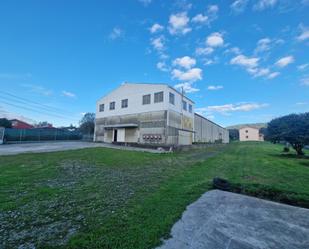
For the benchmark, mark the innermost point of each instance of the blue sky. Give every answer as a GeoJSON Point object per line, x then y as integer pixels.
{"type": "Point", "coordinates": [241, 61]}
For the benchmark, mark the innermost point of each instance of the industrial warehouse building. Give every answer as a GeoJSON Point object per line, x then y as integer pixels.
{"type": "Point", "coordinates": [155, 114]}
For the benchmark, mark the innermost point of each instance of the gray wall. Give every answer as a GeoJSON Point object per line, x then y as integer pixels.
{"type": "Point", "coordinates": [207, 131]}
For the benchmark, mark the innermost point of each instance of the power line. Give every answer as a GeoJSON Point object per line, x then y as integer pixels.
{"type": "Point", "coordinates": [33, 107]}
{"type": "Point", "coordinates": [27, 101]}
{"type": "Point", "coordinates": [30, 109]}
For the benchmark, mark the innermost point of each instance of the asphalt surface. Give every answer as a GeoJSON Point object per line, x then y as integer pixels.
{"type": "Point", "coordinates": [223, 220]}
{"type": "Point", "coordinates": [14, 149]}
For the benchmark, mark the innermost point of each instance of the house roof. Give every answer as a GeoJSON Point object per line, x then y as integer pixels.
{"type": "Point", "coordinates": [141, 83]}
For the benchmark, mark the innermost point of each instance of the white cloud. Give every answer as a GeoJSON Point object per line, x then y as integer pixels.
{"type": "Point", "coordinates": [264, 4]}
{"type": "Point", "coordinates": [283, 62]}
{"type": "Point", "coordinates": [145, 2]}
{"type": "Point", "coordinates": [239, 5]}
{"type": "Point", "coordinates": [258, 72]}
{"type": "Point", "coordinates": [185, 62]}
{"type": "Point", "coordinates": [162, 66]}
{"type": "Point", "coordinates": [208, 61]}
{"type": "Point", "coordinates": [214, 88]}
{"type": "Point", "coordinates": [245, 61]}
{"type": "Point", "coordinates": [214, 40]}
{"type": "Point", "coordinates": [200, 18]}
{"type": "Point", "coordinates": [68, 94]}
{"type": "Point", "coordinates": [179, 23]}
{"type": "Point", "coordinates": [187, 87]}
{"type": "Point", "coordinates": [158, 43]}
{"type": "Point", "coordinates": [304, 34]}
{"type": "Point", "coordinates": [263, 45]}
{"type": "Point", "coordinates": [242, 107]}
{"type": "Point", "coordinates": [301, 103]}
{"type": "Point", "coordinates": [273, 75]}
{"type": "Point", "coordinates": [213, 9]}
{"type": "Point", "coordinates": [234, 50]}
{"type": "Point", "coordinates": [304, 81]}
{"type": "Point", "coordinates": [204, 51]}
{"type": "Point", "coordinates": [38, 89]}
{"type": "Point", "coordinates": [303, 67]}
{"type": "Point", "coordinates": [156, 28]}
{"type": "Point", "coordinates": [116, 33]}
{"type": "Point", "coordinates": [190, 75]}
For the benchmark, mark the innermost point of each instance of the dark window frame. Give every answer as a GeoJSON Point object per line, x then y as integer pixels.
{"type": "Point", "coordinates": [101, 108]}
{"type": "Point", "coordinates": [190, 108]}
{"type": "Point", "coordinates": [144, 98]}
{"type": "Point", "coordinates": [184, 105]}
{"type": "Point", "coordinates": [124, 103]}
{"type": "Point", "coordinates": [171, 98]}
{"type": "Point", "coordinates": [158, 98]}
{"type": "Point", "coordinates": [112, 105]}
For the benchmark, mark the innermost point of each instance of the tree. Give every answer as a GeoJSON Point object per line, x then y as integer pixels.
{"type": "Point", "coordinates": [86, 125]}
{"type": "Point", "coordinates": [44, 124]}
{"type": "Point", "coordinates": [293, 128]}
{"type": "Point", "coordinates": [5, 123]}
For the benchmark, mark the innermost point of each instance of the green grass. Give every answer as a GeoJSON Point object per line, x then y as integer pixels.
{"type": "Point", "coordinates": [104, 198]}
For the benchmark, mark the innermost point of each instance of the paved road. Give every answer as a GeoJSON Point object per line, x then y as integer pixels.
{"type": "Point", "coordinates": [14, 149]}
{"type": "Point", "coordinates": [231, 221]}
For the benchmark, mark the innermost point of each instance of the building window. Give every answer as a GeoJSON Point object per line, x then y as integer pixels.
{"type": "Point", "coordinates": [158, 97]}
{"type": "Point", "coordinates": [112, 105]}
{"type": "Point", "coordinates": [184, 105]}
{"type": "Point", "coordinates": [246, 131]}
{"type": "Point", "coordinates": [247, 136]}
{"type": "Point", "coordinates": [124, 103]}
{"type": "Point", "coordinates": [190, 108]}
{"type": "Point", "coordinates": [146, 99]}
{"type": "Point", "coordinates": [172, 98]}
{"type": "Point", "coordinates": [101, 107]}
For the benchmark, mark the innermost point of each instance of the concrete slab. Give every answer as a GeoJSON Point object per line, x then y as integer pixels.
{"type": "Point", "coordinates": [14, 149]}
{"type": "Point", "coordinates": [226, 220]}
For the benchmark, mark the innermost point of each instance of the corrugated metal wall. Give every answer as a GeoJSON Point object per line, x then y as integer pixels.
{"type": "Point", "coordinates": [207, 131]}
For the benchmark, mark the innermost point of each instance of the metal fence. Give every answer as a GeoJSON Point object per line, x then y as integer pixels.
{"type": "Point", "coordinates": [15, 135]}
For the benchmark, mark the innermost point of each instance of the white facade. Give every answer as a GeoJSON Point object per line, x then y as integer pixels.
{"type": "Point", "coordinates": [250, 134]}
{"type": "Point", "coordinates": [121, 116]}
{"type": "Point", "coordinates": [134, 93]}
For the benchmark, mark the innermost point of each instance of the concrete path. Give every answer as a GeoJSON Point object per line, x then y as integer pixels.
{"type": "Point", "coordinates": [14, 149]}
{"type": "Point", "coordinates": [231, 221]}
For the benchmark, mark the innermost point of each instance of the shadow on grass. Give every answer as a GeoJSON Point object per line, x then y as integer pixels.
{"type": "Point", "coordinates": [272, 194]}
{"type": "Point", "coordinates": [289, 155]}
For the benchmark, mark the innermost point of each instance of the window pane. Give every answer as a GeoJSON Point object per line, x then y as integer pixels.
{"type": "Point", "coordinates": [112, 105]}
{"type": "Point", "coordinates": [124, 103]}
{"type": "Point", "coordinates": [146, 99]}
{"type": "Point", "coordinates": [184, 105]}
{"type": "Point", "coordinates": [172, 98]}
{"type": "Point", "coordinates": [158, 97]}
{"type": "Point", "coordinates": [190, 108]}
{"type": "Point", "coordinates": [101, 108]}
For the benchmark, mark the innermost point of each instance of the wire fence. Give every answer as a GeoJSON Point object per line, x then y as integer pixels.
{"type": "Point", "coordinates": [20, 135]}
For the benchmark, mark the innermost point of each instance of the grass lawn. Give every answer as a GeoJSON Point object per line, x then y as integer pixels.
{"type": "Point", "coordinates": [105, 198]}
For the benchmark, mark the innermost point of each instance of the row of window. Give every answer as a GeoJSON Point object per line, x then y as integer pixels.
{"type": "Point", "coordinates": [158, 97]}
{"type": "Point", "coordinates": [124, 104]}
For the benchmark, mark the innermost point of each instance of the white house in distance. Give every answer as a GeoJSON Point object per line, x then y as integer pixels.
{"type": "Point", "coordinates": [144, 113]}
{"type": "Point", "coordinates": [248, 133]}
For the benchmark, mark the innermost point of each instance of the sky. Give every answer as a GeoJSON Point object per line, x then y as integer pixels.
{"type": "Point", "coordinates": [240, 61]}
